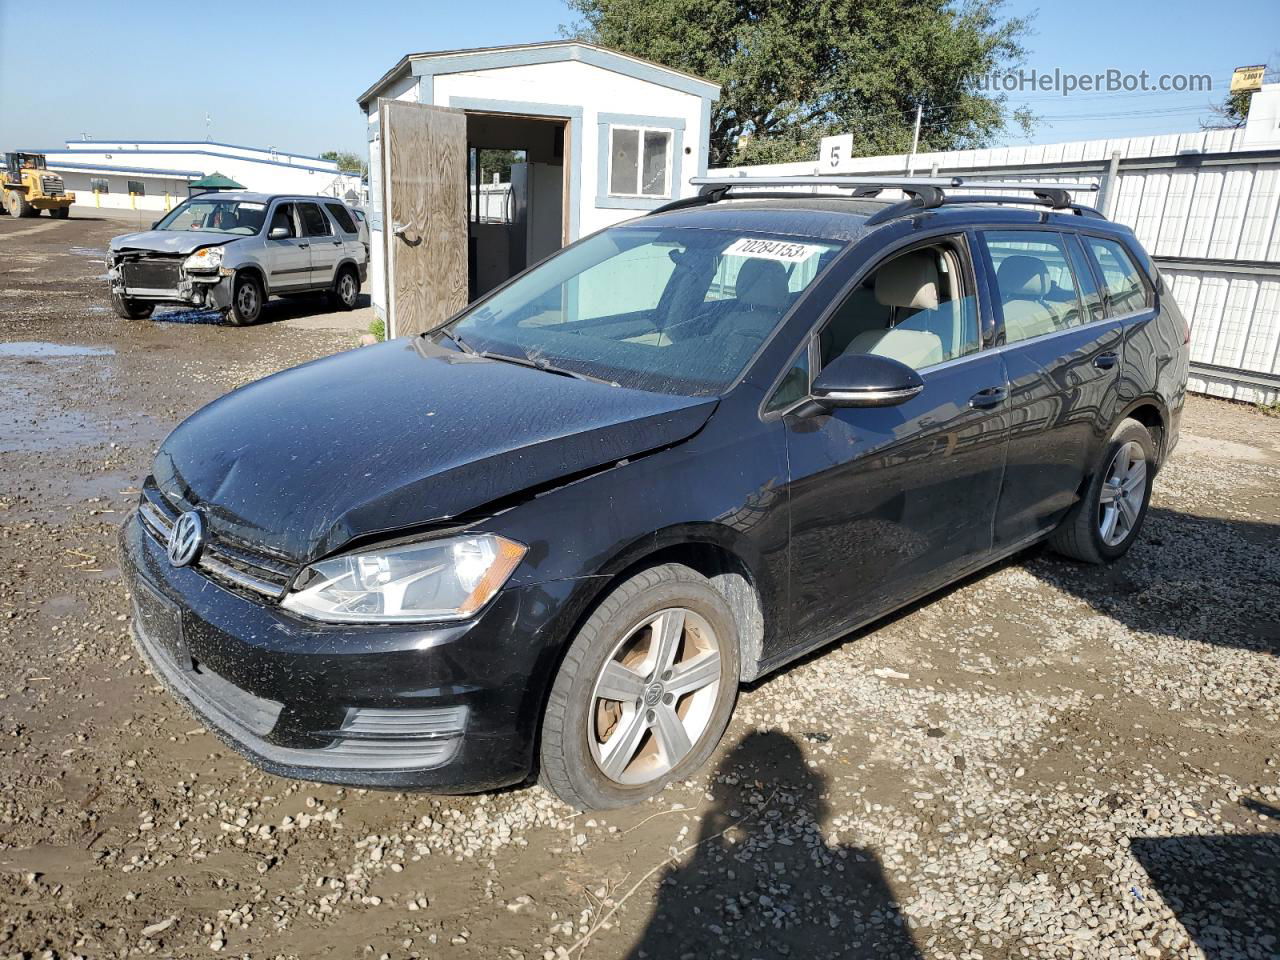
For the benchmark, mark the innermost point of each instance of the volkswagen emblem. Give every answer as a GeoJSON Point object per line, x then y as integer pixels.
{"type": "Point", "coordinates": [186, 538]}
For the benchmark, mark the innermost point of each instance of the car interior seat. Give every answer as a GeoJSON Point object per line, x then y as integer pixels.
{"type": "Point", "coordinates": [1024, 283]}
{"type": "Point", "coordinates": [909, 286]}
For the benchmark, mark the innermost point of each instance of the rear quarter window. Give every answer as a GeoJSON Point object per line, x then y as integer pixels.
{"type": "Point", "coordinates": [343, 216]}
{"type": "Point", "coordinates": [1123, 284]}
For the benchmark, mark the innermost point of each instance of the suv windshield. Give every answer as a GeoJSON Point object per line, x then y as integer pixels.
{"type": "Point", "coordinates": [666, 310]}
{"type": "Point", "coordinates": [212, 215]}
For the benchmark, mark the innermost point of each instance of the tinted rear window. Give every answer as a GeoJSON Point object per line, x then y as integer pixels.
{"type": "Point", "coordinates": [314, 220]}
{"type": "Point", "coordinates": [343, 216]}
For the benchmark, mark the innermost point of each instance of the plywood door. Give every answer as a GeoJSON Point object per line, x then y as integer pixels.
{"type": "Point", "coordinates": [424, 177]}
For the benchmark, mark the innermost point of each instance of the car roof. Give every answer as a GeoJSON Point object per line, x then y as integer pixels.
{"type": "Point", "coordinates": [250, 196]}
{"type": "Point", "coordinates": [845, 220]}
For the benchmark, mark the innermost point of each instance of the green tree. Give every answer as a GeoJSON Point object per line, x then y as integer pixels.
{"type": "Point", "coordinates": [499, 162]}
{"type": "Point", "coordinates": [792, 71]}
{"type": "Point", "coordinates": [346, 161]}
{"type": "Point", "coordinates": [1233, 110]}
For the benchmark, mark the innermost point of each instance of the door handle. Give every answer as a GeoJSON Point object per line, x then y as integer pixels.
{"type": "Point", "coordinates": [1105, 361]}
{"type": "Point", "coordinates": [303, 246]}
{"type": "Point", "coordinates": [336, 243]}
{"type": "Point", "coordinates": [406, 233]}
{"type": "Point", "coordinates": [988, 398]}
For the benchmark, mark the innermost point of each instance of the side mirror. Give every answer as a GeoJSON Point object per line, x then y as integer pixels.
{"type": "Point", "coordinates": [865, 380]}
{"type": "Point", "coordinates": [279, 233]}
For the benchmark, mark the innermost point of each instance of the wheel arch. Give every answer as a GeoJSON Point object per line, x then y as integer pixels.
{"type": "Point", "coordinates": [722, 555]}
{"type": "Point", "coordinates": [255, 270]}
{"type": "Point", "coordinates": [1153, 414]}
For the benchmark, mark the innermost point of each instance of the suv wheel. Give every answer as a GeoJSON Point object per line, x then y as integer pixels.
{"type": "Point", "coordinates": [1103, 525]}
{"type": "Point", "coordinates": [346, 290]}
{"type": "Point", "coordinates": [246, 301]}
{"type": "Point", "coordinates": [645, 691]}
{"type": "Point", "coordinates": [131, 309]}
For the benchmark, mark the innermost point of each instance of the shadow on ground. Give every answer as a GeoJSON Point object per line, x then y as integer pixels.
{"type": "Point", "coordinates": [274, 311]}
{"type": "Point", "coordinates": [1224, 890]}
{"type": "Point", "coordinates": [764, 881]}
{"type": "Point", "coordinates": [1203, 579]}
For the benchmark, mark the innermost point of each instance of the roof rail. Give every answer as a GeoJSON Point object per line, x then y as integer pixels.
{"type": "Point", "coordinates": [923, 193]}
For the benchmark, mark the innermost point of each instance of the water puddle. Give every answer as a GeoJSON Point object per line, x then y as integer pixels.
{"type": "Point", "coordinates": [32, 348]}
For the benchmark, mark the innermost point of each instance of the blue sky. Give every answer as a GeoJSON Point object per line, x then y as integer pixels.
{"type": "Point", "coordinates": [287, 74]}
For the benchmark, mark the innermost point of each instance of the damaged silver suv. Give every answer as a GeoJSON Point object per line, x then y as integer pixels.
{"type": "Point", "coordinates": [230, 252]}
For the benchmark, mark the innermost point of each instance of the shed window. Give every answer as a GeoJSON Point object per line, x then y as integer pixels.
{"type": "Point", "coordinates": [135, 187]}
{"type": "Point", "coordinates": [639, 162]}
{"type": "Point", "coordinates": [98, 184]}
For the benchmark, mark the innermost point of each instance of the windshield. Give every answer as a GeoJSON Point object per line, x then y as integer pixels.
{"type": "Point", "coordinates": [212, 215]}
{"type": "Point", "coordinates": [665, 310]}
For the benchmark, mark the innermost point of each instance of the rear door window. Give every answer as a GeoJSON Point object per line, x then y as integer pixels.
{"type": "Point", "coordinates": [314, 222]}
{"type": "Point", "coordinates": [1036, 287]}
{"type": "Point", "coordinates": [1124, 289]}
{"type": "Point", "coordinates": [342, 215]}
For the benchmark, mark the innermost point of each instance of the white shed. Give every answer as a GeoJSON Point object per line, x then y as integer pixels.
{"type": "Point", "coordinates": [604, 136]}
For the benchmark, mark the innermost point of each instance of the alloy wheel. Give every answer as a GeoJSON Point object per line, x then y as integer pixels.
{"type": "Point", "coordinates": [654, 696]}
{"type": "Point", "coordinates": [1123, 491]}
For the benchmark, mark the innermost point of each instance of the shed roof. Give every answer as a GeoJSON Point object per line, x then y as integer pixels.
{"type": "Point", "coordinates": [218, 181]}
{"type": "Point", "coordinates": [552, 51]}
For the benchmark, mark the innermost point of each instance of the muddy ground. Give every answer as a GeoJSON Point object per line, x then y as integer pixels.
{"type": "Point", "coordinates": [1047, 760]}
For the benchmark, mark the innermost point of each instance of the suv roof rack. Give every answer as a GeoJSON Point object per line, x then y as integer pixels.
{"type": "Point", "coordinates": [923, 193]}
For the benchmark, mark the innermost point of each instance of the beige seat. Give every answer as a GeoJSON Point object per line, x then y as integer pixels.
{"type": "Point", "coordinates": [1024, 282]}
{"type": "Point", "coordinates": [761, 297]}
{"type": "Point", "coordinates": [909, 284]}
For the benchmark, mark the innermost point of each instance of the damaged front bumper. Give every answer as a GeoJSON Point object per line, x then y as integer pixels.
{"type": "Point", "coordinates": [161, 278]}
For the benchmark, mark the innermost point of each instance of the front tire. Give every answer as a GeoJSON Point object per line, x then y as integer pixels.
{"type": "Point", "coordinates": [246, 301]}
{"type": "Point", "coordinates": [1106, 521]}
{"type": "Point", "coordinates": [128, 309]}
{"type": "Point", "coordinates": [644, 693]}
{"type": "Point", "coordinates": [60, 213]}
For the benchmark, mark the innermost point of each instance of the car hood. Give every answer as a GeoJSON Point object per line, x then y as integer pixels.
{"type": "Point", "coordinates": [170, 241]}
{"type": "Point", "coordinates": [394, 436]}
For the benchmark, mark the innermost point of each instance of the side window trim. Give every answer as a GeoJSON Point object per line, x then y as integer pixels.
{"type": "Point", "coordinates": [1086, 272]}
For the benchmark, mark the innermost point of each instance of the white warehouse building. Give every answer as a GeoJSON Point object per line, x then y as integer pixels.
{"type": "Point", "coordinates": [157, 174]}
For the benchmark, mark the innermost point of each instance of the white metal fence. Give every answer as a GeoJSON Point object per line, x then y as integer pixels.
{"type": "Point", "coordinates": [1203, 207]}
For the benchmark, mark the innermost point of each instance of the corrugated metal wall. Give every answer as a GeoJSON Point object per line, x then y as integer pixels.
{"type": "Point", "coordinates": [1205, 209]}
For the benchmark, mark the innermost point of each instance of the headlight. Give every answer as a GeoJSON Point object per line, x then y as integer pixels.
{"type": "Point", "coordinates": [206, 259]}
{"type": "Point", "coordinates": [438, 580]}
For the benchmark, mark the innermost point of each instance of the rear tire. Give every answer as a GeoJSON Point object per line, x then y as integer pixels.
{"type": "Point", "coordinates": [1106, 521]}
{"type": "Point", "coordinates": [346, 289]}
{"type": "Point", "coordinates": [246, 301]}
{"type": "Point", "coordinates": [131, 309]}
{"type": "Point", "coordinates": [690, 644]}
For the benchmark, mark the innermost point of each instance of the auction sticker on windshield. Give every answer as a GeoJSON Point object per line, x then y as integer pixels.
{"type": "Point", "coordinates": [784, 251]}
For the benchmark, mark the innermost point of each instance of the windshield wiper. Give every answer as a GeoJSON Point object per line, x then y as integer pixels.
{"type": "Point", "coordinates": [546, 367]}
{"type": "Point", "coordinates": [466, 347]}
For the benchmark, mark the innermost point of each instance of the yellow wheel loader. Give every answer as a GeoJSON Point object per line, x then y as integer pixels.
{"type": "Point", "coordinates": [27, 187]}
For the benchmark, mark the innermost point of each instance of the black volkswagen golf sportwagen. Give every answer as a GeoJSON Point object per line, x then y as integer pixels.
{"type": "Point", "coordinates": [553, 536]}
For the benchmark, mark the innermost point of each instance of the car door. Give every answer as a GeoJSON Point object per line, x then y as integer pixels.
{"type": "Point", "coordinates": [888, 503]}
{"type": "Point", "coordinates": [288, 258]}
{"type": "Point", "coordinates": [326, 246]}
{"type": "Point", "coordinates": [1063, 358]}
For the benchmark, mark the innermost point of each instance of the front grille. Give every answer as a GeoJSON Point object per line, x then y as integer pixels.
{"type": "Point", "coordinates": [153, 273]}
{"type": "Point", "coordinates": [231, 563]}
{"type": "Point", "coordinates": [52, 185]}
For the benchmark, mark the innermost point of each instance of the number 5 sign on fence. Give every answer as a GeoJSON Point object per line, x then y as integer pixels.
{"type": "Point", "coordinates": [834, 151]}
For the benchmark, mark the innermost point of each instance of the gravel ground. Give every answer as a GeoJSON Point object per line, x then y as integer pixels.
{"type": "Point", "coordinates": [1046, 760]}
